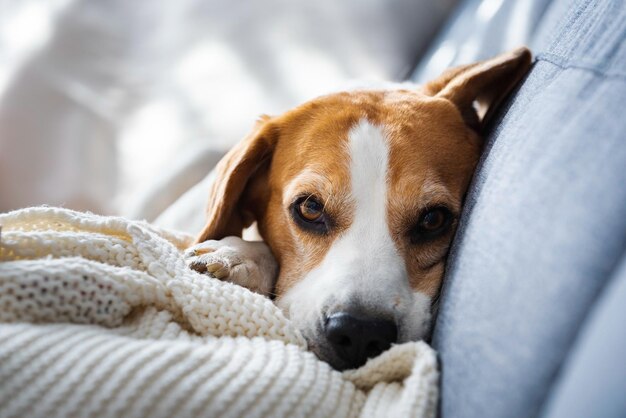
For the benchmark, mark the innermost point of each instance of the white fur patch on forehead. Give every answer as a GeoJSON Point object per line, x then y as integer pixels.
{"type": "Point", "coordinates": [366, 249]}
{"type": "Point", "coordinates": [369, 158]}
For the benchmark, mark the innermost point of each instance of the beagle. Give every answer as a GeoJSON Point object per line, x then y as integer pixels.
{"type": "Point", "coordinates": [357, 196]}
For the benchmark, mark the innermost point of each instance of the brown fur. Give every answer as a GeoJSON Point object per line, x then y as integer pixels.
{"type": "Point", "coordinates": [434, 147]}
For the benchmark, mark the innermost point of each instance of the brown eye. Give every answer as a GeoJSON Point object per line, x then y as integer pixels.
{"type": "Point", "coordinates": [433, 220]}
{"type": "Point", "coordinates": [308, 213]}
{"type": "Point", "coordinates": [432, 223]}
{"type": "Point", "coordinates": [310, 210]}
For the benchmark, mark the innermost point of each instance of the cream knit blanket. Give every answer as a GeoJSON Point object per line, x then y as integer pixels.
{"type": "Point", "coordinates": [100, 317]}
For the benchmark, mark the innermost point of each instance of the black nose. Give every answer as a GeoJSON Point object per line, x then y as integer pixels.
{"type": "Point", "coordinates": [355, 339]}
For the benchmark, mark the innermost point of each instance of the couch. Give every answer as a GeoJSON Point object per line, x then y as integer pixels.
{"type": "Point", "coordinates": [531, 315]}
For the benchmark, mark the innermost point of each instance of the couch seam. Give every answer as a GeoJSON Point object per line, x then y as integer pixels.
{"type": "Point", "coordinates": [564, 63]}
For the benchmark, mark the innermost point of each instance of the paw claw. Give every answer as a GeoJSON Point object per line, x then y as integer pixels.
{"type": "Point", "coordinates": [194, 252]}
{"type": "Point", "coordinates": [221, 273]}
{"type": "Point", "coordinates": [215, 266]}
{"type": "Point", "coordinates": [198, 266]}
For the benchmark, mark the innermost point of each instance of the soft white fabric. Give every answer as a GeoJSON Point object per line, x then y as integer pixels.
{"type": "Point", "coordinates": [99, 316]}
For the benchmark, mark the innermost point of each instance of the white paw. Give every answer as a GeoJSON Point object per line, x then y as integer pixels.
{"type": "Point", "coordinates": [248, 264]}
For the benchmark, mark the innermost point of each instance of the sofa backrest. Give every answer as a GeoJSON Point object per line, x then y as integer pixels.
{"type": "Point", "coordinates": [544, 228]}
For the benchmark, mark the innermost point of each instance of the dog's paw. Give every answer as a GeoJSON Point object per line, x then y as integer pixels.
{"type": "Point", "coordinates": [248, 264]}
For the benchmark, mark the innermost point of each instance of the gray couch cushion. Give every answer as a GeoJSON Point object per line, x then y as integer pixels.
{"type": "Point", "coordinates": [593, 379]}
{"type": "Point", "coordinates": [545, 221]}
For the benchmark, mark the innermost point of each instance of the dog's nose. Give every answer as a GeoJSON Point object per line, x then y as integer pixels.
{"type": "Point", "coordinates": [355, 339]}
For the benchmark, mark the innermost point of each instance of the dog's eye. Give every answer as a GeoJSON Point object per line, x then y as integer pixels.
{"type": "Point", "coordinates": [433, 219]}
{"type": "Point", "coordinates": [432, 223]}
{"type": "Point", "coordinates": [308, 212]}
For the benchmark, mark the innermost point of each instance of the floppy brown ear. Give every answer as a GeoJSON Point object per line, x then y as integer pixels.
{"type": "Point", "coordinates": [477, 89]}
{"type": "Point", "coordinates": [226, 212]}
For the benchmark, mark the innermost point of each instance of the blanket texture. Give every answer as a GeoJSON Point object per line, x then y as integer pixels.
{"type": "Point", "coordinates": [100, 317]}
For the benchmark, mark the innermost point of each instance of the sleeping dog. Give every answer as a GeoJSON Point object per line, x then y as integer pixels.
{"type": "Point", "coordinates": [357, 196]}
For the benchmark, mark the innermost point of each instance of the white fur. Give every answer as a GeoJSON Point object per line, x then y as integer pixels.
{"type": "Point", "coordinates": [363, 266]}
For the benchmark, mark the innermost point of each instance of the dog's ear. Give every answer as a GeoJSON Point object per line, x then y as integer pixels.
{"type": "Point", "coordinates": [227, 212]}
{"type": "Point", "coordinates": [477, 89]}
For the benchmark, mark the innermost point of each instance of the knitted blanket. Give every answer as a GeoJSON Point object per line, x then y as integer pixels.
{"type": "Point", "coordinates": [100, 317]}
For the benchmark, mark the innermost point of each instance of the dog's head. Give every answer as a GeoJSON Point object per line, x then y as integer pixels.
{"type": "Point", "coordinates": [358, 195]}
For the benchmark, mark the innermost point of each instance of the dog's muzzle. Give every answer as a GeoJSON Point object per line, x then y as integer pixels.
{"type": "Point", "coordinates": [354, 338]}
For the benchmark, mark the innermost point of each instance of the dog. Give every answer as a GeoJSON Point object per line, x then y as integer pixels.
{"type": "Point", "coordinates": [356, 196]}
